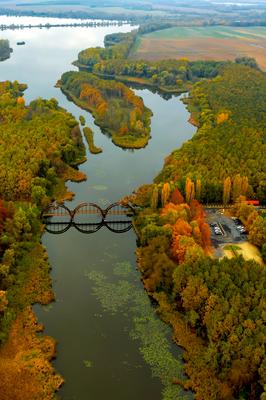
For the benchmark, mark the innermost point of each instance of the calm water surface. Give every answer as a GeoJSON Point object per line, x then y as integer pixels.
{"type": "Point", "coordinates": [99, 354]}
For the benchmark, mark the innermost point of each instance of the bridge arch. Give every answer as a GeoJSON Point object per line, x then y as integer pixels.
{"type": "Point", "coordinates": [88, 218]}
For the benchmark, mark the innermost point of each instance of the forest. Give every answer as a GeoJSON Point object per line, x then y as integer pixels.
{"type": "Point", "coordinates": [39, 145]}
{"type": "Point", "coordinates": [115, 107]}
{"type": "Point", "coordinates": [36, 143]}
{"type": "Point", "coordinates": [5, 49]}
{"type": "Point", "coordinates": [226, 157]}
{"type": "Point", "coordinates": [117, 46]}
{"type": "Point", "coordinates": [216, 307]}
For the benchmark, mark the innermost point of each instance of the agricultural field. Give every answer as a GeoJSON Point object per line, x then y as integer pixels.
{"type": "Point", "coordinates": [205, 43]}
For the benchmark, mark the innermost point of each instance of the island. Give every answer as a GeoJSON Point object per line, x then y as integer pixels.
{"type": "Point", "coordinates": [5, 50]}
{"type": "Point", "coordinates": [115, 107]}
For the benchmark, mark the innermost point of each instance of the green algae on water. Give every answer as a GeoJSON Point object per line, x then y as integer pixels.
{"type": "Point", "coordinates": [112, 296]}
{"type": "Point", "coordinates": [154, 337]}
{"type": "Point", "coordinates": [123, 269]}
{"type": "Point", "coordinates": [88, 363]}
{"type": "Point", "coordinates": [100, 187]}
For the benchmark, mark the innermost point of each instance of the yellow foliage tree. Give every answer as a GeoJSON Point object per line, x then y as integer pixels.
{"type": "Point", "coordinates": [165, 193]}
{"type": "Point", "coordinates": [154, 197]}
{"type": "Point", "coordinates": [190, 190]}
{"type": "Point", "coordinates": [227, 190]}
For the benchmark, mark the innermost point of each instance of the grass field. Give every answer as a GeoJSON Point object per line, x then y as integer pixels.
{"type": "Point", "coordinates": [205, 43]}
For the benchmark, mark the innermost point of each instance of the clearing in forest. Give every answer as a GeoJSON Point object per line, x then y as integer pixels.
{"type": "Point", "coordinates": [246, 249]}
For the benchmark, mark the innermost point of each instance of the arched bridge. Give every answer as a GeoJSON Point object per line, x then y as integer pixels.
{"type": "Point", "coordinates": [88, 218]}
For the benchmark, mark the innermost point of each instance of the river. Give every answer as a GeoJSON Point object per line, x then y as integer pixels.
{"type": "Point", "coordinates": [110, 342]}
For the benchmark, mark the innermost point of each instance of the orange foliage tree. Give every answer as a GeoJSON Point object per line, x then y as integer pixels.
{"type": "Point", "coordinates": [176, 197]}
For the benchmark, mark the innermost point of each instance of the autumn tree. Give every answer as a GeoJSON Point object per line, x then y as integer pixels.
{"type": "Point", "coordinates": [237, 187]}
{"type": "Point", "coordinates": [165, 193]}
{"type": "Point", "coordinates": [154, 197]}
{"type": "Point", "coordinates": [190, 190]}
{"type": "Point", "coordinates": [227, 190]}
{"type": "Point", "coordinates": [198, 189]}
{"type": "Point", "coordinates": [222, 117]}
{"type": "Point", "coordinates": [176, 197]}
{"type": "Point", "coordinates": [257, 232]}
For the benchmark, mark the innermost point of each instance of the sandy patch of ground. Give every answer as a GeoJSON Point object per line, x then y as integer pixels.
{"type": "Point", "coordinates": [247, 250]}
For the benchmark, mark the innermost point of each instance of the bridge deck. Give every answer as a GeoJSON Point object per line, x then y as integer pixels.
{"type": "Point", "coordinates": [88, 212]}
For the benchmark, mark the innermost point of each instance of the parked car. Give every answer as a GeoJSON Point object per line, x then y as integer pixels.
{"type": "Point", "coordinates": [217, 230]}
{"type": "Point", "coordinates": [241, 229]}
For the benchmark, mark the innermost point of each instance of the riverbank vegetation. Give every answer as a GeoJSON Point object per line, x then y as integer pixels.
{"type": "Point", "coordinates": [225, 158]}
{"type": "Point", "coordinates": [114, 61]}
{"type": "Point", "coordinates": [38, 142]}
{"type": "Point", "coordinates": [115, 107]}
{"type": "Point", "coordinates": [88, 133]}
{"type": "Point", "coordinates": [117, 46]}
{"type": "Point", "coordinates": [25, 356]}
{"type": "Point", "coordinates": [5, 50]}
{"type": "Point", "coordinates": [39, 145]}
{"type": "Point", "coordinates": [215, 307]}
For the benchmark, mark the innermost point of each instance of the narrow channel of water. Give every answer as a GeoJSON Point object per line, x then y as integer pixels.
{"type": "Point", "coordinates": [102, 319]}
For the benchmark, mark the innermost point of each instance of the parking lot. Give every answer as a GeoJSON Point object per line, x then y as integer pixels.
{"type": "Point", "coordinates": [224, 230]}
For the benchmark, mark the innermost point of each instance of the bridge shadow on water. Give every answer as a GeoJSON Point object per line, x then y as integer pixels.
{"type": "Point", "coordinates": [88, 218]}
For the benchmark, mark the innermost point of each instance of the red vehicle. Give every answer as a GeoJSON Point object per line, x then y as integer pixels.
{"type": "Point", "coordinates": [253, 202]}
